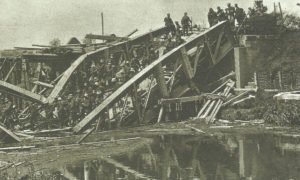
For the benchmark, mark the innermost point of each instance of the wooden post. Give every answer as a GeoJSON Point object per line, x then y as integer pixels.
{"type": "Point", "coordinates": [102, 23]}
{"type": "Point", "coordinates": [160, 79]}
{"type": "Point", "coordinates": [241, 158]}
{"type": "Point", "coordinates": [136, 103]}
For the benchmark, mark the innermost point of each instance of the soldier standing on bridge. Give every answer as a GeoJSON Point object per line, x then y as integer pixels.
{"type": "Point", "coordinates": [170, 27]}
{"type": "Point", "coordinates": [221, 15]}
{"type": "Point", "coordinates": [186, 23]}
{"type": "Point", "coordinates": [212, 17]}
{"type": "Point", "coordinates": [240, 14]}
{"type": "Point", "coordinates": [230, 12]}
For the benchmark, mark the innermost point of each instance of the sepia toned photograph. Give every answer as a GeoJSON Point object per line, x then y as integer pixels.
{"type": "Point", "coordinates": [150, 89]}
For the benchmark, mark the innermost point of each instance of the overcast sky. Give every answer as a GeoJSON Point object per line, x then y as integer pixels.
{"type": "Point", "coordinates": [26, 22]}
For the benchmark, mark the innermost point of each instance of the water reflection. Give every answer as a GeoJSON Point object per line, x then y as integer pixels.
{"type": "Point", "coordinates": [194, 157]}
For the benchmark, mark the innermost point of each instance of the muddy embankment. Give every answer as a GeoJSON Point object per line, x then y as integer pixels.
{"type": "Point", "coordinates": [282, 57]}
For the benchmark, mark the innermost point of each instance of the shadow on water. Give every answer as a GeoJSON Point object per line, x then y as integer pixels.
{"type": "Point", "coordinates": [195, 157]}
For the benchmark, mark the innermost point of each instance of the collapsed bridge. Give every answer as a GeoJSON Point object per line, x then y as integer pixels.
{"type": "Point", "coordinates": [158, 69]}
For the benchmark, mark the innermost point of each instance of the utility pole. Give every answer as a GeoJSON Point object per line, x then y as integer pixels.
{"type": "Point", "coordinates": [102, 23]}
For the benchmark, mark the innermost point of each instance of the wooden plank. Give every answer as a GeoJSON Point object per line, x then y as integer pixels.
{"type": "Point", "coordinates": [131, 33]}
{"type": "Point", "coordinates": [17, 148]}
{"type": "Point", "coordinates": [235, 98]}
{"type": "Point", "coordinates": [10, 134]}
{"type": "Point", "coordinates": [105, 37]}
{"type": "Point", "coordinates": [220, 102]}
{"type": "Point", "coordinates": [43, 84]}
{"type": "Point", "coordinates": [125, 168]}
{"type": "Point", "coordinates": [137, 78]}
{"type": "Point", "coordinates": [10, 88]}
{"type": "Point", "coordinates": [209, 101]}
{"type": "Point", "coordinates": [190, 98]}
{"type": "Point", "coordinates": [160, 115]}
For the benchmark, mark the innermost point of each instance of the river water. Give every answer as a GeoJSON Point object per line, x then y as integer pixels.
{"type": "Point", "coordinates": [221, 157]}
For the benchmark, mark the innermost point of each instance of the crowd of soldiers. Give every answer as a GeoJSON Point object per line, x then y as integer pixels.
{"type": "Point", "coordinates": [235, 15]}
{"type": "Point", "coordinates": [87, 88]}
{"type": "Point", "coordinates": [231, 14]}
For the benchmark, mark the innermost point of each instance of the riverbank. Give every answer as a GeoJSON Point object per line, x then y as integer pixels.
{"type": "Point", "coordinates": [50, 153]}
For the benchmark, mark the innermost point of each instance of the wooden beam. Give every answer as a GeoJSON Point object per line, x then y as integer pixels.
{"type": "Point", "coordinates": [218, 45]}
{"type": "Point", "coordinates": [10, 134]}
{"type": "Point", "coordinates": [86, 135]}
{"type": "Point", "coordinates": [208, 47]}
{"type": "Point", "coordinates": [105, 37]}
{"type": "Point", "coordinates": [188, 70]}
{"type": "Point", "coordinates": [43, 84]}
{"type": "Point", "coordinates": [199, 52]}
{"type": "Point", "coordinates": [131, 33]}
{"type": "Point", "coordinates": [10, 71]}
{"type": "Point", "coordinates": [190, 98]}
{"type": "Point", "coordinates": [125, 168]}
{"type": "Point", "coordinates": [13, 89]}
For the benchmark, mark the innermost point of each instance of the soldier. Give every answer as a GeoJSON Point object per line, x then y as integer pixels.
{"type": "Point", "coordinates": [186, 23]}
{"type": "Point", "coordinates": [221, 15]}
{"type": "Point", "coordinates": [212, 17]}
{"type": "Point", "coordinates": [178, 28]}
{"type": "Point", "coordinates": [240, 14]}
{"type": "Point", "coordinates": [251, 12]}
{"type": "Point", "coordinates": [230, 12]}
{"type": "Point", "coordinates": [170, 27]}
{"type": "Point", "coordinates": [85, 104]}
{"type": "Point", "coordinates": [34, 115]}
{"type": "Point", "coordinates": [6, 111]}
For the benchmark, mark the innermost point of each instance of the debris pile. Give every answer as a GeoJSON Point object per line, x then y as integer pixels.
{"type": "Point", "coordinates": [211, 108]}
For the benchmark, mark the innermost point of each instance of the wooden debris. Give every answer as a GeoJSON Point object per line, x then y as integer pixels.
{"type": "Point", "coordinates": [161, 112]}
{"type": "Point", "coordinates": [195, 129]}
{"type": "Point", "coordinates": [222, 79]}
{"type": "Point", "coordinates": [235, 98]}
{"type": "Point", "coordinates": [47, 131]}
{"type": "Point", "coordinates": [221, 127]}
{"type": "Point", "coordinates": [212, 107]}
{"type": "Point", "coordinates": [43, 84]}
{"type": "Point", "coordinates": [10, 134]}
{"type": "Point", "coordinates": [86, 135]}
{"type": "Point", "coordinates": [17, 148]}
{"type": "Point", "coordinates": [243, 100]}
{"type": "Point", "coordinates": [125, 168]}
{"type": "Point", "coordinates": [190, 98]}
{"type": "Point", "coordinates": [219, 103]}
